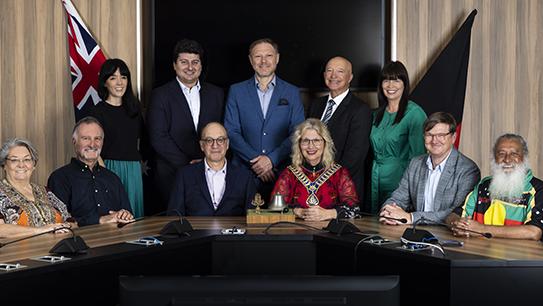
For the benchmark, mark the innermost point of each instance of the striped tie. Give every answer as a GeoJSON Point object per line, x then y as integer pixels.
{"type": "Point", "coordinates": [328, 112]}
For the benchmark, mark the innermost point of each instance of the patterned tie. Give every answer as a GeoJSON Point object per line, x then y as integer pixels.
{"type": "Point", "coordinates": [328, 112]}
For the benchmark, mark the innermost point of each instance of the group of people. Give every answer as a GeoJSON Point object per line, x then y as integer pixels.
{"type": "Point", "coordinates": [316, 164]}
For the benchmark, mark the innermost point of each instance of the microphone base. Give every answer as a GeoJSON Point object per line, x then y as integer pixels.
{"type": "Point", "coordinates": [339, 227]}
{"type": "Point", "coordinates": [73, 245]}
{"type": "Point", "coordinates": [418, 235]}
{"type": "Point", "coordinates": [177, 228]}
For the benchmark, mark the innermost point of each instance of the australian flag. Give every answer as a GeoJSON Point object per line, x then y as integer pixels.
{"type": "Point", "coordinates": [86, 59]}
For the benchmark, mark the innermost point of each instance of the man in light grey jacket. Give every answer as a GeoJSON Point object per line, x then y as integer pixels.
{"type": "Point", "coordinates": [435, 183]}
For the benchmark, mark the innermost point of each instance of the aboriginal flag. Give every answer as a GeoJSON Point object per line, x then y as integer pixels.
{"type": "Point", "coordinates": [443, 87]}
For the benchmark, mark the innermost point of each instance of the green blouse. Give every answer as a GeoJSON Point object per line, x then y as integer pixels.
{"type": "Point", "coordinates": [393, 147]}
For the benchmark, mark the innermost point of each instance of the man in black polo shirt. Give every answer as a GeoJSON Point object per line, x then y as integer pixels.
{"type": "Point", "coordinates": [92, 193]}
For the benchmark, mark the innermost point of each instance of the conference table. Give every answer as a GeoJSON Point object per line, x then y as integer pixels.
{"type": "Point", "coordinates": [481, 272]}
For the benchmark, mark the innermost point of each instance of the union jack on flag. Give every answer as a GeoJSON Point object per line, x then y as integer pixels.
{"type": "Point", "coordinates": [86, 59]}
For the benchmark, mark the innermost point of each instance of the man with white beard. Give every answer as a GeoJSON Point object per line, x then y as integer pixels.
{"type": "Point", "coordinates": [512, 196]}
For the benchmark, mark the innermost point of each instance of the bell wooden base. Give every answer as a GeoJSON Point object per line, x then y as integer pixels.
{"type": "Point", "coordinates": [268, 217]}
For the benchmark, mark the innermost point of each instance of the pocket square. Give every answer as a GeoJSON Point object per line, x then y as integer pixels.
{"type": "Point", "coordinates": [283, 102]}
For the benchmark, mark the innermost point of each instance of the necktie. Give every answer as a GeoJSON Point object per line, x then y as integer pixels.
{"type": "Point", "coordinates": [328, 112]}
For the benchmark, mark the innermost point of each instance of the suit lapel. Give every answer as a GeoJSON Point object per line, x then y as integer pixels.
{"type": "Point", "coordinates": [445, 178]}
{"type": "Point", "coordinates": [318, 109]}
{"type": "Point", "coordinates": [202, 182]}
{"type": "Point", "coordinates": [421, 184]}
{"type": "Point", "coordinates": [182, 105]}
{"type": "Point", "coordinates": [204, 111]}
{"type": "Point", "coordinates": [341, 109]}
{"type": "Point", "coordinates": [228, 185]}
{"type": "Point", "coordinates": [274, 101]}
{"type": "Point", "coordinates": [254, 102]}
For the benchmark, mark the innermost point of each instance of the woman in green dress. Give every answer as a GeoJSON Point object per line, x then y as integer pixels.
{"type": "Point", "coordinates": [396, 134]}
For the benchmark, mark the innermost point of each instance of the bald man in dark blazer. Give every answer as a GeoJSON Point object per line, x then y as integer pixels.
{"type": "Point", "coordinates": [348, 119]}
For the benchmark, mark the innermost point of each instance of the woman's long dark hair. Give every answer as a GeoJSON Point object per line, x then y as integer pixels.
{"type": "Point", "coordinates": [129, 101]}
{"type": "Point", "coordinates": [392, 71]}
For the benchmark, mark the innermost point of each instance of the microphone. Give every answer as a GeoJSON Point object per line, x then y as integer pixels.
{"type": "Point", "coordinates": [73, 245]}
{"type": "Point", "coordinates": [121, 225]}
{"type": "Point", "coordinates": [486, 235]}
{"type": "Point", "coordinates": [340, 227]}
{"type": "Point", "coordinates": [28, 237]}
{"type": "Point", "coordinates": [420, 237]}
{"type": "Point", "coordinates": [176, 228]}
{"type": "Point", "coordinates": [401, 220]}
{"type": "Point", "coordinates": [171, 229]}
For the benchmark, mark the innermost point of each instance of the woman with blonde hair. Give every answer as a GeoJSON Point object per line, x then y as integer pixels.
{"type": "Point", "coordinates": [314, 185]}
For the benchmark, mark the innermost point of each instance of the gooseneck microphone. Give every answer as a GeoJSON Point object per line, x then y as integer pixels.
{"type": "Point", "coordinates": [29, 237]}
{"type": "Point", "coordinates": [73, 245]}
{"type": "Point", "coordinates": [172, 228]}
{"type": "Point", "coordinates": [401, 220]}
{"type": "Point", "coordinates": [176, 228]}
{"type": "Point", "coordinates": [486, 235]}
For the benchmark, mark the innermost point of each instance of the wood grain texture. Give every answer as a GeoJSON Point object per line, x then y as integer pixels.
{"type": "Point", "coordinates": [35, 87]}
{"type": "Point", "coordinates": [107, 234]}
{"type": "Point", "coordinates": [505, 84]}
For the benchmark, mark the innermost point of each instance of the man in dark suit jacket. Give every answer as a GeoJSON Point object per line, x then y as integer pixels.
{"type": "Point", "coordinates": [348, 119]}
{"type": "Point", "coordinates": [212, 187]}
{"type": "Point", "coordinates": [177, 113]}
{"type": "Point", "coordinates": [261, 114]}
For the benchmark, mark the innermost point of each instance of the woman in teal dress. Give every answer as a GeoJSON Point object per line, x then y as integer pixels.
{"type": "Point", "coordinates": [396, 134]}
{"type": "Point", "coordinates": [120, 115]}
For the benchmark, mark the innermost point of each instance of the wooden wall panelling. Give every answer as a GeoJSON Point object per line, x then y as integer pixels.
{"type": "Point", "coordinates": [504, 88]}
{"type": "Point", "coordinates": [35, 88]}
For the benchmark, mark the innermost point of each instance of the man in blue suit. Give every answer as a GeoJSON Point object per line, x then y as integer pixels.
{"type": "Point", "coordinates": [177, 113]}
{"type": "Point", "coordinates": [261, 114]}
{"type": "Point", "coordinates": [212, 187]}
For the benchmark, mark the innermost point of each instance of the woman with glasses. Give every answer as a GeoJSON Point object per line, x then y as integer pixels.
{"type": "Point", "coordinates": [26, 208]}
{"type": "Point", "coordinates": [120, 115]}
{"type": "Point", "coordinates": [396, 134]}
{"type": "Point", "coordinates": [317, 187]}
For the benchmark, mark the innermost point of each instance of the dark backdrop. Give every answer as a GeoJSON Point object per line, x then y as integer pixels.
{"type": "Point", "coordinates": [308, 33]}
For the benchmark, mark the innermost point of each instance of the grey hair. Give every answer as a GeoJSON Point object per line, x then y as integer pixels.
{"type": "Point", "coordinates": [510, 136]}
{"type": "Point", "coordinates": [86, 120]}
{"type": "Point", "coordinates": [17, 142]}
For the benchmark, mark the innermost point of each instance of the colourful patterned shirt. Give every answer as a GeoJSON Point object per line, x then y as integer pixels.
{"type": "Point", "coordinates": [527, 209]}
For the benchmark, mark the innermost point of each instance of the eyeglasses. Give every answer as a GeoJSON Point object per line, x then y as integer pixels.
{"type": "Point", "coordinates": [317, 142]}
{"type": "Point", "coordinates": [16, 161]}
{"type": "Point", "coordinates": [210, 141]}
{"type": "Point", "coordinates": [440, 136]}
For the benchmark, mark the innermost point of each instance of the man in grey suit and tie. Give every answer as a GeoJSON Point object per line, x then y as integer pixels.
{"type": "Point", "coordinates": [435, 183]}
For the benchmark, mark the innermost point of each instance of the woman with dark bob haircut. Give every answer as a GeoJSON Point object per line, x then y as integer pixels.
{"type": "Point", "coordinates": [120, 115]}
{"type": "Point", "coordinates": [396, 134]}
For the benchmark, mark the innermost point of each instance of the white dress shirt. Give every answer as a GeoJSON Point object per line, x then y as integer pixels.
{"type": "Point", "coordinates": [216, 183]}
{"type": "Point", "coordinates": [193, 99]}
{"type": "Point", "coordinates": [338, 99]}
{"type": "Point", "coordinates": [434, 174]}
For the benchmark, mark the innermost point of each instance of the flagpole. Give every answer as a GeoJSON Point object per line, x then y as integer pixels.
{"type": "Point", "coordinates": [394, 30]}
{"type": "Point", "coordinates": [138, 50]}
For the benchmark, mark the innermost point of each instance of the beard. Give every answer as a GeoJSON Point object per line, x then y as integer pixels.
{"type": "Point", "coordinates": [508, 186]}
